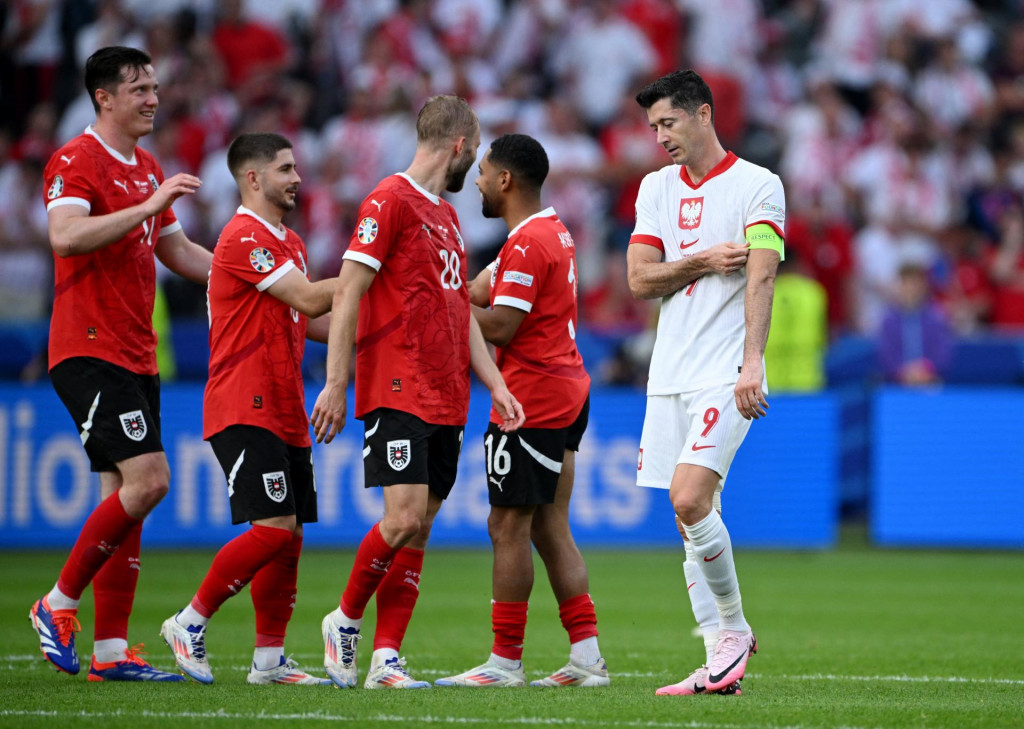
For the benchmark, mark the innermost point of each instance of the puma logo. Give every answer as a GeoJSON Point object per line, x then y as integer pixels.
{"type": "Point", "coordinates": [122, 185]}
{"type": "Point", "coordinates": [425, 227]}
{"type": "Point", "coordinates": [522, 250]}
{"type": "Point", "coordinates": [250, 238]}
{"type": "Point", "coordinates": [378, 204]}
{"type": "Point", "coordinates": [67, 159]}
{"type": "Point", "coordinates": [496, 482]}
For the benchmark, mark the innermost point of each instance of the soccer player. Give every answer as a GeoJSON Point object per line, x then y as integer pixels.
{"type": "Point", "coordinates": [531, 292]}
{"type": "Point", "coordinates": [415, 344]}
{"type": "Point", "coordinates": [707, 242]}
{"type": "Point", "coordinates": [254, 411]}
{"type": "Point", "coordinates": [109, 210]}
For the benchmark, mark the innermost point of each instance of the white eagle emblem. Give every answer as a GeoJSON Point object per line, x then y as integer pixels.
{"type": "Point", "coordinates": [275, 485]}
{"type": "Point", "coordinates": [399, 454]}
{"type": "Point", "coordinates": [133, 424]}
{"type": "Point", "coordinates": [690, 210]}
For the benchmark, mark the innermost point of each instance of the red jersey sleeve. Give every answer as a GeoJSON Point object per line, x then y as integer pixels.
{"type": "Point", "coordinates": [68, 181]}
{"type": "Point", "coordinates": [254, 254]}
{"type": "Point", "coordinates": [379, 227]}
{"type": "Point", "coordinates": [519, 273]}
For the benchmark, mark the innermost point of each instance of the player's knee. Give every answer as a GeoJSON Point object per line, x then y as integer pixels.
{"type": "Point", "coordinates": [402, 526]}
{"type": "Point", "coordinates": [689, 509]}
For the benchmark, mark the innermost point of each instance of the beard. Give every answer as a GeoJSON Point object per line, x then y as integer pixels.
{"type": "Point", "coordinates": [280, 199]}
{"type": "Point", "coordinates": [489, 209]}
{"type": "Point", "coordinates": [458, 171]}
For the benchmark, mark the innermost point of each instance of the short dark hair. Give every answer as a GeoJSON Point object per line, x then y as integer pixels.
{"type": "Point", "coordinates": [523, 156]}
{"type": "Point", "coordinates": [685, 90]}
{"type": "Point", "coordinates": [258, 147]}
{"type": "Point", "coordinates": [109, 66]}
{"type": "Point", "coordinates": [443, 118]}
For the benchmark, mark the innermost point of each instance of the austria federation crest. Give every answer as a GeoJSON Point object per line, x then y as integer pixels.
{"type": "Point", "coordinates": [399, 454]}
{"type": "Point", "coordinates": [133, 424]}
{"type": "Point", "coordinates": [690, 209]}
{"type": "Point", "coordinates": [275, 485]}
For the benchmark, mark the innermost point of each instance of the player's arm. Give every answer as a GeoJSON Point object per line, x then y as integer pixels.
{"type": "Point", "coordinates": [306, 297]}
{"type": "Point", "coordinates": [762, 264]}
{"type": "Point", "coordinates": [489, 374]}
{"type": "Point", "coordinates": [500, 324]}
{"type": "Point", "coordinates": [73, 231]}
{"type": "Point", "coordinates": [328, 417]}
{"type": "Point", "coordinates": [187, 259]}
{"type": "Point", "coordinates": [480, 287]}
{"type": "Point", "coordinates": [651, 278]}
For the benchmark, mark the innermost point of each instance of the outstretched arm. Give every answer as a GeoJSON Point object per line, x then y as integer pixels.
{"type": "Point", "coordinates": [187, 259]}
{"type": "Point", "coordinates": [328, 417]}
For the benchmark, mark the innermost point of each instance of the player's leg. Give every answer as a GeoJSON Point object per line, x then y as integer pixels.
{"type": "Point", "coordinates": [260, 491]}
{"type": "Point", "coordinates": [716, 432]}
{"type": "Point", "coordinates": [702, 602]}
{"type": "Point", "coordinates": [567, 572]}
{"type": "Point", "coordinates": [274, 587]}
{"type": "Point", "coordinates": [400, 589]}
{"type": "Point", "coordinates": [396, 458]}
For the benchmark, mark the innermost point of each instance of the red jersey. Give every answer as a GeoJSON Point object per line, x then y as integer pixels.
{"type": "Point", "coordinates": [412, 340]}
{"type": "Point", "coordinates": [256, 341]}
{"type": "Point", "coordinates": [103, 300]}
{"type": "Point", "coordinates": [536, 272]}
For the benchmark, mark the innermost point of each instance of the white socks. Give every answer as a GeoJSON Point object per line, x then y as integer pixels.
{"type": "Point", "coordinates": [189, 616]}
{"type": "Point", "coordinates": [507, 663]}
{"type": "Point", "coordinates": [585, 652]}
{"type": "Point", "coordinates": [712, 552]}
{"type": "Point", "coordinates": [268, 657]}
{"type": "Point", "coordinates": [109, 650]}
{"type": "Point", "coordinates": [705, 612]}
{"type": "Point", "coordinates": [59, 601]}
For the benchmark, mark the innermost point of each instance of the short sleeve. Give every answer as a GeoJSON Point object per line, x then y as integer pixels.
{"type": "Point", "coordinates": [67, 180]}
{"type": "Point", "coordinates": [254, 255]}
{"type": "Point", "coordinates": [380, 224]}
{"type": "Point", "coordinates": [768, 205]}
{"type": "Point", "coordinates": [519, 275]}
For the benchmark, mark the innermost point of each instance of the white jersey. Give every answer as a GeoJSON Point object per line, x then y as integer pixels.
{"type": "Point", "coordinates": [702, 327]}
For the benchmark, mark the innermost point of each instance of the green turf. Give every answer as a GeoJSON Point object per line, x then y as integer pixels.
{"type": "Point", "coordinates": [854, 638]}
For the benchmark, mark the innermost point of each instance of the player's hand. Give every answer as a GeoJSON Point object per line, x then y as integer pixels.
{"type": "Point", "coordinates": [726, 258]}
{"type": "Point", "coordinates": [750, 400]}
{"type": "Point", "coordinates": [171, 189]}
{"type": "Point", "coordinates": [328, 416]}
{"type": "Point", "coordinates": [509, 409]}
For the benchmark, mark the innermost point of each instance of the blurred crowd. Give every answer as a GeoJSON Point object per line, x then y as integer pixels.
{"type": "Point", "coordinates": [897, 127]}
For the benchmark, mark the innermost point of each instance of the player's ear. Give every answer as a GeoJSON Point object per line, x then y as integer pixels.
{"type": "Point", "coordinates": [253, 179]}
{"type": "Point", "coordinates": [103, 98]}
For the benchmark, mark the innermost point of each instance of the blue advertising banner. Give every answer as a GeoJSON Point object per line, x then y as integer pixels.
{"type": "Point", "coordinates": [782, 490]}
{"type": "Point", "coordinates": [944, 469]}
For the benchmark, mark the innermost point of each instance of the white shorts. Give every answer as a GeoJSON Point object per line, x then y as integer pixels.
{"type": "Point", "coordinates": [703, 428]}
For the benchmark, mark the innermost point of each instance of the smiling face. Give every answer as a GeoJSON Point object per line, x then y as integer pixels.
{"type": "Point", "coordinates": [279, 181]}
{"type": "Point", "coordinates": [684, 136]}
{"type": "Point", "coordinates": [133, 103]}
{"type": "Point", "coordinates": [488, 185]}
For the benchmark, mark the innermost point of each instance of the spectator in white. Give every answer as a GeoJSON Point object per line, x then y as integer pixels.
{"type": "Point", "coordinates": [467, 24]}
{"type": "Point", "coordinates": [934, 20]}
{"type": "Point", "coordinates": [950, 91]}
{"type": "Point", "coordinates": [26, 262]}
{"type": "Point", "coordinates": [527, 33]}
{"type": "Point", "coordinates": [601, 56]}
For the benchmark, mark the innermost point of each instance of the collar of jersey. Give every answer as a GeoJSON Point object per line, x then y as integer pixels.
{"type": "Point", "coordinates": [423, 191]}
{"type": "Point", "coordinates": [110, 150]}
{"type": "Point", "coordinates": [279, 233]}
{"type": "Point", "coordinates": [727, 161]}
{"type": "Point", "coordinates": [548, 212]}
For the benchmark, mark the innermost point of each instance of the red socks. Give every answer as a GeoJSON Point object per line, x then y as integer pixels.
{"type": "Point", "coordinates": [273, 592]}
{"type": "Point", "coordinates": [236, 563]}
{"type": "Point", "coordinates": [113, 587]}
{"type": "Point", "coordinates": [100, 537]}
{"type": "Point", "coordinates": [578, 617]}
{"type": "Point", "coordinates": [396, 598]}
{"type": "Point", "coordinates": [373, 559]}
{"type": "Point", "coordinates": [508, 621]}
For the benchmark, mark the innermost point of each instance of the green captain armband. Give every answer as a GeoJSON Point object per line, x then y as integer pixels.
{"type": "Point", "coordinates": [763, 235]}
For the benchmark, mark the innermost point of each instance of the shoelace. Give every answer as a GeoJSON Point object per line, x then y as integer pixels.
{"type": "Point", "coordinates": [348, 646]}
{"type": "Point", "coordinates": [198, 644]}
{"type": "Point", "coordinates": [134, 654]}
{"type": "Point", "coordinates": [398, 664]}
{"type": "Point", "coordinates": [66, 623]}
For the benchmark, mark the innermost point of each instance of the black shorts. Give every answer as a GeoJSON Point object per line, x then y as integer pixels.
{"type": "Point", "coordinates": [401, 448]}
{"type": "Point", "coordinates": [117, 412]}
{"type": "Point", "coordinates": [266, 476]}
{"type": "Point", "coordinates": [523, 467]}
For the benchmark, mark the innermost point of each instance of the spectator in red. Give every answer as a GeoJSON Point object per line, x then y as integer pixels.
{"type": "Point", "coordinates": [249, 50]}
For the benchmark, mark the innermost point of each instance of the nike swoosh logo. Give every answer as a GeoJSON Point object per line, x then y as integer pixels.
{"type": "Point", "coordinates": [719, 677]}
{"type": "Point", "coordinates": [700, 448]}
{"type": "Point", "coordinates": [712, 559]}
{"type": "Point", "coordinates": [683, 246]}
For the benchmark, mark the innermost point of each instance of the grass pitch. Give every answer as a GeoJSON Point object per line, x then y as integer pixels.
{"type": "Point", "coordinates": [855, 638]}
